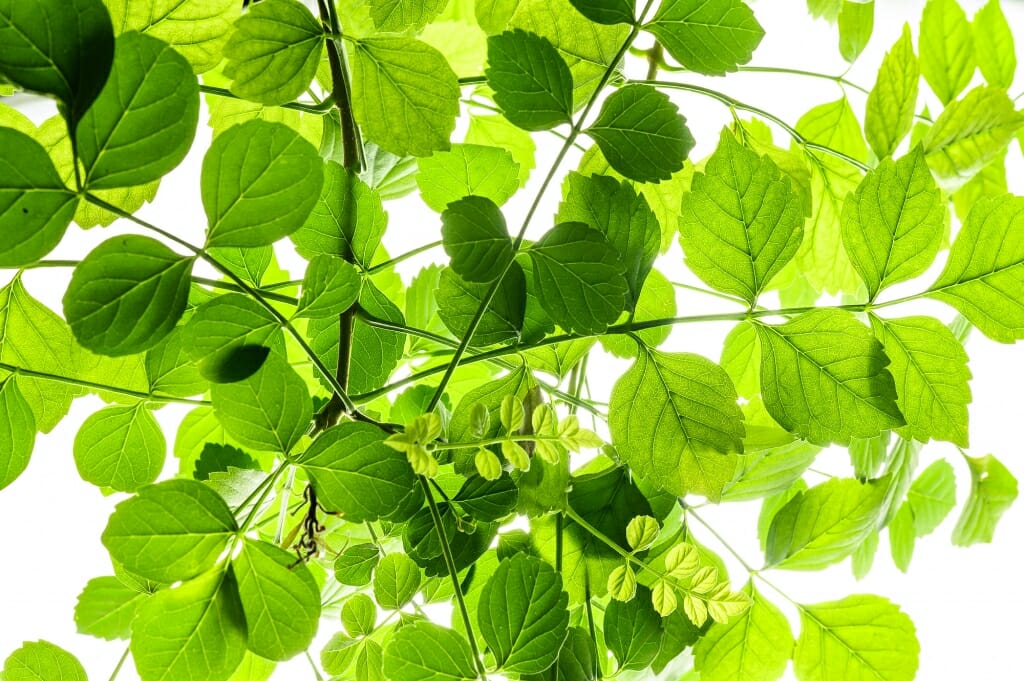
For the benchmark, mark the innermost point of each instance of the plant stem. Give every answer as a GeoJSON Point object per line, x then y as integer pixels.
{"type": "Point", "coordinates": [690, 511]}
{"type": "Point", "coordinates": [800, 72]}
{"type": "Point", "coordinates": [318, 109]}
{"type": "Point", "coordinates": [120, 663]}
{"type": "Point", "coordinates": [101, 386]}
{"type": "Point", "coordinates": [282, 514]}
{"type": "Point", "coordinates": [228, 286]}
{"type": "Point", "coordinates": [453, 573]}
{"type": "Point", "coordinates": [405, 256]}
{"type": "Point", "coordinates": [316, 670]}
{"type": "Point", "coordinates": [259, 494]}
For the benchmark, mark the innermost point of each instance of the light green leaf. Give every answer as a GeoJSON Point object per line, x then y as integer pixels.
{"type": "Point", "coordinates": [106, 608]}
{"type": "Point", "coordinates": [406, 96]}
{"type": "Point", "coordinates": [62, 48]}
{"type": "Point", "coordinates": [219, 332]}
{"type": "Point", "coordinates": [615, 209]}
{"type": "Point", "coordinates": [891, 102]}
{"type": "Point", "coordinates": [864, 556]}
{"type": "Point", "coordinates": [259, 183]}
{"type": "Point", "coordinates": [120, 447]}
{"type": "Point", "coordinates": [496, 131]}
{"type": "Point", "coordinates": [280, 599]}
{"type": "Point", "coordinates": [424, 651]}
{"type": "Point", "coordinates": [859, 638]}
{"type": "Point", "coordinates": [476, 239]}
{"type": "Point", "coordinates": [532, 84]}
{"type": "Point", "coordinates": [930, 368]}
{"type": "Point", "coordinates": [348, 218]}
{"type": "Point", "coordinates": [894, 223]}
{"type": "Point", "coordinates": [330, 287]}
{"type": "Point", "coordinates": [991, 181]}
{"type": "Point", "coordinates": [355, 473]}
{"type": "Point", "coordinates": [834, 125]}
{"type": "Point", "coordinates": [993, 491]}
{"type": "Point", "coordinates": [969, 134]}
{"type": "Point", "coordinates": [869, 454]}
{"type": "Point", "coordinates": [355, 564]}
{"type": "Point", "coordinates": [902, 538]}
{"type": "Point", "coordinates": [522, 614]}
{"type": "Point", "coordinates": [993, 45]}
{"type": "Point", "coordinates": [947, 48]}
{"type": "Point", "coordinates": [741, 359]}
{"type": "Point", "coordinates": [770, 471]}
{"type": "Point", "coordinates": [17, 432]}
{"type": "Point", "coordinates": [273, 53]}
{"type": "Point", "coordinates": [657, 301]}
{"type": "Point", "coordinates": [823, 525]}
{"type": "Point", "coordinates": [756, 646]}
{"type": "Point", "coordinates": [458, 301]}
{"type": "Point", "coordinates": [169, 368]}
{"type": "Point", "coordinates": [824, 378]}
{"type": "Point", "coordinates": [196, 630]}
{"type": "Point", "coordinates": [359, 614]}
{"type": "Point", "coordinates": [126, 295]}
{"type": "Point", "coordinates": [642, 134]}
{"type": "Point", "coordinates": [42, 661]}
{"type": "Point", "coordinates": [268, 411]}
{"type": "Point", "coordinates": [391, 176]}
{"type": "Point", "coordinates": [712, 37]}
{"type": "Point", "coordinates": [170, 531]}
{"type": "Point", "coordinates": [464, 170]}
{"type": "Point", "coordinates": [396, 579]}
{"type": "Point", "coordinates": [142, 124]}
{"type": "Point", "coordinates": [633, 631]}
{"type": "Point", "coordinates": [983, 275]}
{"type": "Point", "coordinates": [931, 497]}
{"type": "Point", "coordinates": [398, 15]}
{"type": "Point", "coordinates": [741, 221]}
{"type": "Point", "coordinates": [856, 22]}
{"type": "Point", "coordinates": [579, 278]}
{"type": "Point", "coordinates": [673, 418]}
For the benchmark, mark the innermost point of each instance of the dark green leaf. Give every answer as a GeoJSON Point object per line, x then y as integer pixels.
{"type": "Point", "coordinates": [221, 458]}
{"type": "Point", "coordinates": [577, 660]}
{"type": "Point", "coordinates": [106, 608]}
{"type": "Point", "coordinates": [17, 432]}
{"type": "Point", "coordinates": [120, 447]}
{"type": "Point", "coordinates": [531, 82]}
{"type": "Point", "coordinates": [259, 183]}
{"type": "Point", "coordinates": [424, 651]}
{"type": "Point", "coordinates": [126, 295]}
{"type": "Point", "coordinates": [42, 661]}
{"type": "Point", "coordinates": [993, 491]}
{"type": "Point", "coordinates": [330, 287]}
{"type": "Point", "coordinates": [711, 37]}
{"type": "Point", "coordinates": [142, 124]}
{"type": "Point", "coordinates": [642, 134]}
{"type": "Point", "coordinates": [488, 499]}
{"type": "Point", "coordinates": [458, 301]}
{"type": "Point", "coordinates": [607, 11]}
{"type": "Point", "coordinates": [230, 336]}
{"type": "Point", "coordinates": [396, 579]}
{"type": "Point", "coordinates": [632, 631]}
{"type": "Point", "coordinates": [355, 564]}
{"type": "Point", "coordinates": [476, 239]}
{"type": "Point", "coordinates": [467, 169]}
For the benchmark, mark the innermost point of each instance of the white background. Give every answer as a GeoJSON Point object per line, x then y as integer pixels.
{"type": "Point", "coordinates": [965, 602]}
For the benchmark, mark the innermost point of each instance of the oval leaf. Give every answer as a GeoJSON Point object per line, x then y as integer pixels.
{"type": "Point", "coordinates": [120, 447]}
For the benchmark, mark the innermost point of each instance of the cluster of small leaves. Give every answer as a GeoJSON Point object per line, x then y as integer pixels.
{"type": "Point", "coordinates": [359, 447]}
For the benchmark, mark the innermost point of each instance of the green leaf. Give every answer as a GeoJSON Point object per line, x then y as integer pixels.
{"type": "Point", "coordinates": [274, 51]}
{"type": "Point", "coordinates": [824, 378]}
{"type": "Point", "coordinates": [983, 274]}
{"type": "Point", "coordinates": [467, 169]}
{"type": "Point", "coordinates": [969, 134]}
{"type": "Point", "coordinates": [35, 206]}
{"type": "Point", "coordinates": [856, 22]}
{"type": "Point", "coordinates": [991, 181]}
{"type": "Point", "coordinates": [106, 608]}
{"type": "Point", "coordinates": [770, 471]}
{"type": "Point", "coordinates": [458, 301]}
{"type": "Point", "coordinates": [930, 368]}
{"type": "Point", "coordinates": [405, 95]}
{"type": "Point", "coordinates": [859, 637]}
{"type": "Point", "coordinates": [579, 278]}
{"type": "Point", "coordinates": [488, 500]}
{"type": "Point", "coordinates": [712, 37]}
{"type": "Point", "coordinates": [532, 83]}
{"type": "Point", "coordinates": [756, 646]}
{"type": "Point", "coordinates": [894, 223]}
{"type": "Point", "coordinates": [931, 497]}
{"type": "Point", "coordinates": [673, 418]}
{"type": "Point", "coordinates": [62, 48]}
{"type": "Point", "coordinates": [741, 221]}
{"type": "Point", "coordinates": [143, 122]}
{"type": "Point", "coordinates": [359, 615]}
{"type": "Point", "coordinates": [835, 125]}
{"type": "Point", "coordinates": [616, 210]}
{"type": "Point", "coordinates": [642, 134]}
{"type": "Point", "coordinates": [993, 45]}
{"type": "Point", "coordinates": [355, 564]}
{"type": "Point", "coordinates": [259, 183]}
{"type": "Point", "coordinates": [823, 525]}
{"type": "Point", "coordinates": [476, 239]}
{"type": "Point", "coordinates": [869, 454]}
{"type": "Point", "coordinates": [947, 48]}
{"type": "Point", "coordinates": [424, 651]}
{"type": "Point", "coordinates": [126, 295]}
{"type": "Point", "coordinates": [891, 102]}
{"type": "Point", "coordinates": [993, 490]}
{"type": "Point", "coordinates": [196, 630]}
{"type": "Point", "coordinates": [355, 473]}
{"type": "Point", "coordinates": [219, 332]}
{"type": "Point", "coordinates": [17, 432]}
{"type": "Point", "coordinates": [268, 411]}
{"type": "Point", "coordinates": [196, 29]}
{"type": "Point", "coordinates": [496, 131]}
{"type": "Point", "coordinates": [280, 599]}
{"type": "Point", "coordinates": [120, 447]}
{"type": "Point", "coordinates": [170, 531]}
{"type": "Point", "coordinates": [330, 287]}
{"type": "Point", "coordinates": [741, 359]}
{"type": "Point", "coordinates": [657, 301]}
{"type": "Point", "coordinates": [169, 368]}
{"type": "Point", "coordinates": [632, 631]}
{"type": "Point", "coordinates": [348, 218]}
{"type": "Point", "coordinates": [607, 11]}
{"type": "Point", "coordinates": [396, 579]}
{"type": "Point", "coordinates": [42, 661]}
{"type": "Point", "coordinates": [399, 15]}
{"type": "Point", "coordinates": [522, 614]}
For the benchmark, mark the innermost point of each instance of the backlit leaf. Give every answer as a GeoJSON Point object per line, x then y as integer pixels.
{"type": "Point", "coordinates": [467, 169]}
{"type": "Point", "coordinates": [396, 579]}
{"type": "Point", "coordinates": [993, 45]}
{"type": "Point", "coordinates": [17, 432]}
{"type": "Point", "coordinates": [711, 37]}
{"type": "Point", "coordinates": [42, 661]}
{"type": "Point", "coordinates": [532, 84]}
{"type": "Point", "coordinates": [891, 103]}
{"type": "Point", "coordinates": [425, 651]}
{"type": "Point", "coordinates": [106, 608]}
{"type": "Point", "coordinates": [947, 48]}
{"type": "Point", "coordinates": [330, 287]}
{"type": "Point", "coordinates": [458, 301]}
{"type": "Point", "coordinates": [120, 447]}
{"type": "Point", "coordinates": [476, 239]}
{"type": "Point", "coordinates": [993, 491]}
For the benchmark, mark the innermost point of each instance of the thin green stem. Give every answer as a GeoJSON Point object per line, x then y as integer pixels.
{"type": "Point", "coordinates": [50, 263]}
{"type": "Point", "coordinates": [404, 256]}
{"type": "Point", "coordinates": [316, 670]}
{"type": "Point", "coordinates": [228, 286]}
{"type": "Point", "coordinates": [120, 663]}
{"type": "Point", "coordinates": [260, 494]}
{"type": "Point", "coordinates": [710, 292]}
{"type": "Point", "coordinates": [318, 109]}
{"type": "Point", "coordinates": [282, 514]}
{"type": "Point", "coordinates": [800, 72]}
{"type": "Point", "coordinates": [551, 131]}
{"type": "Point", "coordinates": [587, 596]}
{"type": "Point", "coordinates": [472, 80]}
{"type": "Point", "coordinates": [453, 573]}
{"type": "Point", "coordinates": [150, 397]}
{"type": "Point", "coordinates": [690, 511]}
{"type": "Point", "coordinates": [495, 441]}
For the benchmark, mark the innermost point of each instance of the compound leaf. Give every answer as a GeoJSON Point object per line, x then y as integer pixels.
{"type": "Point", "coordinates": [711, 37]}
{"type": "Point", "coordinates": [120, 447]}
{"type": "Point", "coordinates": [532, 84]}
